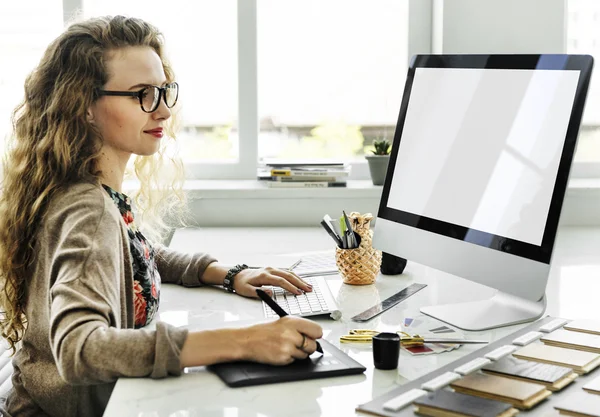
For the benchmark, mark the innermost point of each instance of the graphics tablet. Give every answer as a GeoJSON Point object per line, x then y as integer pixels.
{"type": "Point", "coordinates": [334, 362]}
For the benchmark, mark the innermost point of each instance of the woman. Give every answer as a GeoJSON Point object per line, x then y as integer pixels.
{"type": "Point", "coordinates": [78, 278]}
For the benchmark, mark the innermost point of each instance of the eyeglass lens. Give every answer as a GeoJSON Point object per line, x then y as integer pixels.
{"type": "Point", "coordinates": [151, 97]}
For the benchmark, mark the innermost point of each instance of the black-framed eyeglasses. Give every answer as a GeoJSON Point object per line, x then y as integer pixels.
{"type": "Point", "coordinates": [150, 96]}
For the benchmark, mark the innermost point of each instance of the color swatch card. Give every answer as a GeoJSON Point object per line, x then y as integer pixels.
{"type": "Point", "coordinates": [585, 326]}
{"type": "Point", "coordinates": [429, 348]}
{"type": "Point", "coordinates": [444, 403]}
{"type": "Point", "coordinates": [573, 340]}
{"type": "Point", "coordinates": [428, 327]}
{"type": "Point", "coordinates": [593, 387]}
{"type": "Point", "coordinates": [442, 330]}
{"type": "Point", "coordinates": [521, 394]}
{"type": "Point", "coordinates": [424, 324]}
{"type": "Point", "coordinates": [581, 362]}
{"type": "Point", "coordinates": [580, 404]}
{"type": "Point", "coordinates": [553, 377]}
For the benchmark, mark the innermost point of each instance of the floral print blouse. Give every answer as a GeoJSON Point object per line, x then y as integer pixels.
{"type": "Point", "coordinates": [146, 279]}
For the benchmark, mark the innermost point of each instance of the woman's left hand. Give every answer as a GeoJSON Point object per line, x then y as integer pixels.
{"type": "Point", "coordinates": [247, 281]}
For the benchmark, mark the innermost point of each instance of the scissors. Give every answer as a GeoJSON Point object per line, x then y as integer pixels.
{"type": "Point", "coordinates": [366, 336]}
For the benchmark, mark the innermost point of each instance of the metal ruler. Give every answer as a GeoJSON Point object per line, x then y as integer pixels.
{"type": "Point", "coordinates": [388, 302]}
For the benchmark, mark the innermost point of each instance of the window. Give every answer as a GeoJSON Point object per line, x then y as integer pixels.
{"type": "Point", "coordinates": [26, 29]}
{"type": "Point", "coordinates": [258, 78]}
{"type": "Point", "coordinates": [331, 75]}
{"type": "Point", "coordinates": [320, 79]}
{"type": "Point", "coordinates": [583, 33]}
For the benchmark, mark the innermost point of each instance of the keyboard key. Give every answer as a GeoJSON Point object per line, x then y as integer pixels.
{"type": "Point", "coordinates": [501, 352]}
{"type": "Point", "coordinates": [553, 325]}
{"type": "Point", "coordinates": [440, 381]}
{"type": "Point", "coordinates": [527, 338]}
{"type": "Point", "coordinates": [314, 302]}
{"type": "Point", "coordinates": [472, 366]}
{"type": "Point", "coordinates": [401, 401]}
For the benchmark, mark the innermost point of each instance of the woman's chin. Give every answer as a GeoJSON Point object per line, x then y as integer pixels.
{"type": "Point", "coordinates": [149, 150]}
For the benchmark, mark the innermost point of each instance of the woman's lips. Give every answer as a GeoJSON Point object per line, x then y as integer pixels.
{"type": "Point", "coordinates": [157, 133]}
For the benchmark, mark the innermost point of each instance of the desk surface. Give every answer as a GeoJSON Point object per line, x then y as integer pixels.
{"type": "Point", "coordinates": [571, 292]}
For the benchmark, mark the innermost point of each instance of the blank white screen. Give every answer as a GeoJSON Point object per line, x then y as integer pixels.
{"type": "Point", "coordinates": [480, 148]}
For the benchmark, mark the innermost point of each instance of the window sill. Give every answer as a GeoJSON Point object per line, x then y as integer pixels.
{"type": "Point", "coordinates": [259, 189]}
{"type": "Point", "coordinates": [252, 203]}
{"type": "Point", "coordinates": [588, 185]}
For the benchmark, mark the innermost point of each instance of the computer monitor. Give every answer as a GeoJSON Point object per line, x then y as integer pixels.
{"type": "Point", "coordinates": [478, 172]}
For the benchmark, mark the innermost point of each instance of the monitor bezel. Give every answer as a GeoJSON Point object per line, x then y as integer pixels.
{"type": "Point", "coordinates": [543, 252]}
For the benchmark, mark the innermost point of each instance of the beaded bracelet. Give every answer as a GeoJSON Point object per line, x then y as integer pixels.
{"type": "Point", "coordinates": [228, 281]}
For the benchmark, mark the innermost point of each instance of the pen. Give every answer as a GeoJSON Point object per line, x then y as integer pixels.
{"type": "Point", "coordinates": [349, 232]}
{"type": "Point", "coordinates": [334, 226]}
{"type": "Point", "coordinates": [295, 264]}
{"type": "Point", "coordinates": [277, 309]}
{"type": "Point", "coordinates": [344, 236]}
{"type": "Point", "coordinates": [461, 341]}
{"type": "Point", "coordinates": [331, 233]}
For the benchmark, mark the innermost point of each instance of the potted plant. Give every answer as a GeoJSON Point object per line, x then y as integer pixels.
{"type": "Point", "coordinates": [378, 162]}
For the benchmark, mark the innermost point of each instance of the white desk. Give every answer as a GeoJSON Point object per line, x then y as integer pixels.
{"type": "Point", "coordinates": [572, 293]}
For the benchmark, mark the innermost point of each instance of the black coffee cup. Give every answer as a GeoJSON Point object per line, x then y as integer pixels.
{"type": "Point", "coordinates": [386, 349]}
{"type": "Point", "coordinates": [392, 265]}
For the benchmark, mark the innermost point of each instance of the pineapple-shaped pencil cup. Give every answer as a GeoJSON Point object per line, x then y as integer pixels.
{"type": "Point", "coordinates": [361, 265]}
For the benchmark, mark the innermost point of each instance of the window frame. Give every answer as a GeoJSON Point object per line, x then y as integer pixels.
{"type": "Point", "coordinates": [580, 169]}
{"type": "Point", "coordinates": [245, 166]}
{"type": "Point", "coordinates": [421, 34]}
{"type": "Point", "coordinates": [585, 170]}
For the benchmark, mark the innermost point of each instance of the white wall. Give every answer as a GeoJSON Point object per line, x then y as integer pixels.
{"type": "Point", "coordinates": [499, 26]}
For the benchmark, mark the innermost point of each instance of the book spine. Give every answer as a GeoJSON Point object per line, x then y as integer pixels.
{"type": "Point", "coordinates": [300, 173]}
{"type": "Point", "coordinates": [294, 178]}
{"type": "Point", "coordinates": [307, 184]}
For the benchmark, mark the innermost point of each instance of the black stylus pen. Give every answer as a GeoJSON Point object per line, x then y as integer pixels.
{"type": "Point", "coordinates": [280, 311]}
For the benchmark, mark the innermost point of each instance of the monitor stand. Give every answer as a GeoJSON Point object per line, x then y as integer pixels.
{"type": "Point", "coordinates": [501, 310]}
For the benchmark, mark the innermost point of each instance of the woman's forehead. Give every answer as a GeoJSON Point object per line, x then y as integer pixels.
{"type": "Point", "coordinates": [134, 65]}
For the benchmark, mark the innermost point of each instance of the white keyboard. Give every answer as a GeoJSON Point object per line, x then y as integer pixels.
{"type": "Point", "coordinates": [318, 301]}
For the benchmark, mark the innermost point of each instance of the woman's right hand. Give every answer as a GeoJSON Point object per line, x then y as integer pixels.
{"type": "Point", "coordinates": [282, 341]}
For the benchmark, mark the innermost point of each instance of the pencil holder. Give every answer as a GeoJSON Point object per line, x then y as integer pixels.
{"type": "Point", "coordinates": [359, 266]}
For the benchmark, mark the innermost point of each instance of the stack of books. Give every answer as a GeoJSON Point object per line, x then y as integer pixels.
{"type": "Point", "coordinates": [304, 174]}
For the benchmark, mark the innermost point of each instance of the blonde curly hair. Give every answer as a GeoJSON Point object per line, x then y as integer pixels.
{"type": "Point", "coordinates": [53, 145]}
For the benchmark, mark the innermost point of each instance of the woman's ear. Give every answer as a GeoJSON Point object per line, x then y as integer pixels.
{"type": "Point", "coordinates": [90, 116]}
